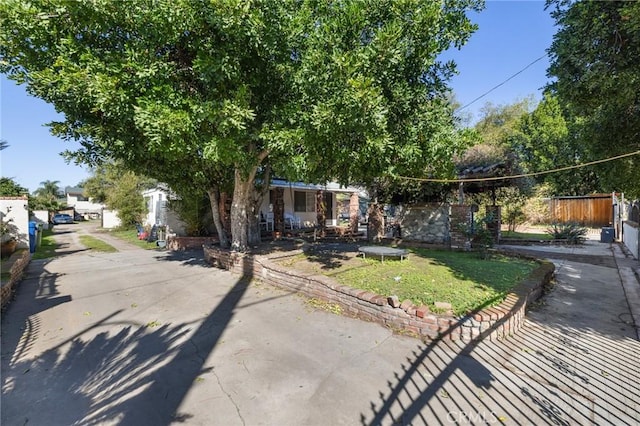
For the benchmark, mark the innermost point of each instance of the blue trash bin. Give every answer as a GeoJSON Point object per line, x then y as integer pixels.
{"type": "Point", "coordinates": [33, 230]}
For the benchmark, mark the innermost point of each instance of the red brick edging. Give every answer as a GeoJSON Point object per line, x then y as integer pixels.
{"type": "Point", "coordinates": [184, 243]}
{"type": "Point", "coordinates": [495, 323]}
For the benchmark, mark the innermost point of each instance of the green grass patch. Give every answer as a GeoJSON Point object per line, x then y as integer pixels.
{"type": "Point", "coordinates": [131, 236]}
{"type": "Point", "coordinates": [47, 247]}
{"type": "Point", "coordinates": [526, 235]}
{"type": "Point", "coordinates": [462, 279]}
{"type": "Point", "coordinates": [93, 243]}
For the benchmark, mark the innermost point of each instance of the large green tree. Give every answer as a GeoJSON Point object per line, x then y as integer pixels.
{"type": "Point", "coordinates": [312, 90]}
{"type": "Point", "coordinates": [595, 59]}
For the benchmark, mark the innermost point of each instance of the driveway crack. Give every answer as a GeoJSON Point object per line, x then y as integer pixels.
{"type": "Point", "coordinates": [229, 396]}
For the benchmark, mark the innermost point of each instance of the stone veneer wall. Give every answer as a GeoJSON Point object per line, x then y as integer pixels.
{"type": "Point", "coordinates": [495, 323]}
{"type": "Point", "coordinates": [17, 271]}
{"type": "Point", "coordinates": [426, 223]}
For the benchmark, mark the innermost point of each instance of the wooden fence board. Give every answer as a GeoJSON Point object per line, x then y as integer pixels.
{"type": "Point", "coordinates": [592, 211]}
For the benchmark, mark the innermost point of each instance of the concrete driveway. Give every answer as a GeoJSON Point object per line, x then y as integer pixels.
{"type": "Point", "coordinates": [153, 338]}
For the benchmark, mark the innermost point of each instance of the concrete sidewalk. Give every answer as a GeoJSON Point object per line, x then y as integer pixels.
{"type": "Point", "coordinates": [156, 338]}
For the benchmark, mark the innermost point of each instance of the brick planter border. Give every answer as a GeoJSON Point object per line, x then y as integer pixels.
{"type": "Point", "coordinates": [185, 243]}
{"type": "Point", "coordinates": [494, 323]}
{"type": "Point", "coordinates": [17, 272]}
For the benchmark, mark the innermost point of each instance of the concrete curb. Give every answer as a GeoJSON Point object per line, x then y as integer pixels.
{"type": "Point", "coordinates": [630, 285]}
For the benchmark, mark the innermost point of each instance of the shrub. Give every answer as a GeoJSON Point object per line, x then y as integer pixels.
{"type": "Point", "coordinates": [572, 232]}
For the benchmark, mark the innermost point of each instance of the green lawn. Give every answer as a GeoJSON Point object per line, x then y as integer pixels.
{"type": "Point", "coordinates": [47, 248]}
{"type": "Point", "coordinates": [462, 279]}
{"type": "Point", "coordinates": [93, 243]}
{"type": "Point", "coordinates": [131, 236]}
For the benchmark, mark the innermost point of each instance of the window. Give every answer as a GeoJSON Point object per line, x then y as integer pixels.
{"type": "Point", "coordinates": [304, 202]}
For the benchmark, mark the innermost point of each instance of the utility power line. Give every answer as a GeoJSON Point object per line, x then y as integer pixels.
{"type": "Point", "coordinates": [487, 179]}
{"type": "Point", "coordinates": [501, 84]}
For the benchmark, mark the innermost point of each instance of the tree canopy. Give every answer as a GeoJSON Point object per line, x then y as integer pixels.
{"type": "Point", "coordinates": [120, 189]}
{"type": "Point", "coordinates": [224, 92]}
{"type": "Point", "coordinates": [10, 188]}
{"type": "Point", "coordinates": [595, 61]}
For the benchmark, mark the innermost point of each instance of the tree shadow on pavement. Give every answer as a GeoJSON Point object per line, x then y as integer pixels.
{"type": "Point", "coordinates": [138, 374]}
{"type": "Point", "coordinates": [546, 374]}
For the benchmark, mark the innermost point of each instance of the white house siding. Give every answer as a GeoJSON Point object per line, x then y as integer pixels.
{"type": "Point", "coordinates": [159, 213]}
{"type": "Point", "coordinates": [631, 237]}
{"type": "Point", "coordinates": [16, 210]}
{"type": "Point", "coordinates": [110, 219]}
{"type": "Point", "coordinates": [81, 205]}
{"type": "Point", "coordinates": [41, 217]}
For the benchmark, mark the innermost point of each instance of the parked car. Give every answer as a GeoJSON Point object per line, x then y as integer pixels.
{"type": "Point", "coordinates": [61, 218]}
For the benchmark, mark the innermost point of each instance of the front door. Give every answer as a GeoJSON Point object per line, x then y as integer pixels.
{"type": "Point", "coordinates": [328, 202]}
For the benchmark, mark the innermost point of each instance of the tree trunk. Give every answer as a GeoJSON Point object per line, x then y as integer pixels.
{"type": "Point", "coordinates": [354, 212]}
{"type": "Point", "coordinates": [375, 229]}
{"type": "Point", "coordinates": [278, 209]}
{"type": "Point", "coordinates": [214, 199]}
{"type": "Point", "coordinates": [245, 215]}
{"type": "Point", "coordinates": [225, 212]}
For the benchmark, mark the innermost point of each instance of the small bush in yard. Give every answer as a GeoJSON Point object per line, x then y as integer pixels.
{"type": "Point", "coordinates": [572, 232]}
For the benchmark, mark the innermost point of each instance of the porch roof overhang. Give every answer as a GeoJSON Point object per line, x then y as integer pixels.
{"type": "Point", "coordinates": [329, 186]}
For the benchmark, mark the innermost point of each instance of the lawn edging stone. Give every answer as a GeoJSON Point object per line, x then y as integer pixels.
{"type": "Point", "coordinates": [494, 323]}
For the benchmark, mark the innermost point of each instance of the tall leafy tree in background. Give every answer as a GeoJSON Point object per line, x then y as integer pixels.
{"type": "Point", "coordinates": [545, 140]}
{"type": "Point", "coordinates": [120, 189]}
{"type": "Point", "coordinates": [46, 196]}
{"type": "Point", "coordinates": [595, 58]}
{"type": "Point", "coordinates": [312, 90]}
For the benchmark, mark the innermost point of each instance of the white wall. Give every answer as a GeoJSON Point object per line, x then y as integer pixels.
{"type": "Point", "coordinates": [15, 211]}
{"type": "Point", "coordinates": [83, 207]}
{"type": "Point", "coordinates": [159, 212]}
{"type": "Point", "coordinates": [41, 216]}
{"type": "Point", "coordinates": [631, 237]}
{"type": "Point", "coordinates": [110, 219]}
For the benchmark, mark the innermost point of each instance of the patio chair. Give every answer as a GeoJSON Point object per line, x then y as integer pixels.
{"type": "Point", "coordinates": [291, 221]}
{"type": "Point", "coordinates": [268, 221]}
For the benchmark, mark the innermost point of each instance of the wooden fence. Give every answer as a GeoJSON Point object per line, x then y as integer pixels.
{"type": "Point", "coordinates": [591, 210]}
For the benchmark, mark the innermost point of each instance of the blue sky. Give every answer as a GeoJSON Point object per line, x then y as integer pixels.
{"type": "Point", "coordinates": [512, 34]}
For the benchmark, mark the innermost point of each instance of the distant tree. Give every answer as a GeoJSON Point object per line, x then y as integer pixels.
{"type": "Point", "coordinates": [47, 196]}
{"type": "Point", "coordinates": [10, 188]}
{"type": "Point", "coordinates": [499, 122]}
{"type": "Point", "coordinates": [594, 59]}
{"type": "Point", "coordinates": [348, 90]}
{"type": "Point", "coordinates": [126, 198]}
{"type": "Point", "coordinates": [49, 189]}
{"type": "Point", "coordinates": [544, 140]}
{"type": "Point", "coordinates": [120, 189]}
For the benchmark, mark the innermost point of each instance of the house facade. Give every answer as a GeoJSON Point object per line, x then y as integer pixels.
{"type": "Point", "coordinates": [158, 211]}
{"type": "Point", "coordinates": [14, 217]}
{"type": "Point", "coordinates": [300, 201]}
{"type": "Point", "coordinates": [81, 204]}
